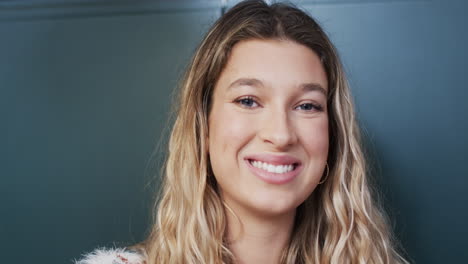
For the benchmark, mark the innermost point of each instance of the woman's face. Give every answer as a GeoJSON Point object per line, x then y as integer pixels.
{"type": "Point", "coordinates": [268, 126]}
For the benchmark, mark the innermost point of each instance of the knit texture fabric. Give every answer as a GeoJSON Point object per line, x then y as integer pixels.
{"type": "Point", "coordinates": [112, 256]}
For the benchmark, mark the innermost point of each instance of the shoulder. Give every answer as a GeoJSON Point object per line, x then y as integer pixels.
{"type": "Point", "coordinates": [112, 256]}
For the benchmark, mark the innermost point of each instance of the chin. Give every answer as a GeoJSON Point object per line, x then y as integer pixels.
{"type": "Point", "coordinates": [275, 205]}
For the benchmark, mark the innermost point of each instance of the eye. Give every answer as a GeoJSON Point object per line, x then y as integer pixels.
{"type": "Point", "coordinates": [309, 107]}
{"type": "Point", "coordinates": [247, 102]}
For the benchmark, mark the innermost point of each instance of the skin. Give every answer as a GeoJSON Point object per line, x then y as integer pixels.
{"type": "Point", "coordinates": [276, 115]}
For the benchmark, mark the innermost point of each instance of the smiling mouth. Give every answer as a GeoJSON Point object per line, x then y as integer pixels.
{"type": "Point", "coordinates": [279, 169]}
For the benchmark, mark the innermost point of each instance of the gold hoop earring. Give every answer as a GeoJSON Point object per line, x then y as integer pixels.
{"type": "Point", "coordinates": [326, 176]}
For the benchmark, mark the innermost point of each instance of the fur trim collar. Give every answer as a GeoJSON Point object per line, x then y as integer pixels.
{"type": "Point", "coordinates": [112, 256]}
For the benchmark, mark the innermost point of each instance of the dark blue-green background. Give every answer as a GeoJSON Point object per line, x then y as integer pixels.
{"type": "Point", "coordinates": [85, 91]}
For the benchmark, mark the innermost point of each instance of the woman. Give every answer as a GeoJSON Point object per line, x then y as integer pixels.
{"type": "Point", "coordinates": [265, 162]}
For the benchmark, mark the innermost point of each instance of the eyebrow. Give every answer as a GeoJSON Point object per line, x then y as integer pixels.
{"type": "Point", "coordinates": [310, 87]}
{"type": "Point", "coordinates": [307, 87]}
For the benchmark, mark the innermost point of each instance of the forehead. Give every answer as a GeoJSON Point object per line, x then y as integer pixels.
{"type": "Point", "coordinates": [274, 62]}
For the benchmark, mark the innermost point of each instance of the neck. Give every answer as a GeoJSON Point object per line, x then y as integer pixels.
{"type": "Point", "coordinates": [258, 239]}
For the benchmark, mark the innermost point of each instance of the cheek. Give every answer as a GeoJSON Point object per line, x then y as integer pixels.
{"type": "Point", "coordinates": [314, 136]}
{"type": "Point", "coordinates": [227, 131]}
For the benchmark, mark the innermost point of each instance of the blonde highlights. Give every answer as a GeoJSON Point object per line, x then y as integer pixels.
{"type": "Point", "coordinates": [338, 223]}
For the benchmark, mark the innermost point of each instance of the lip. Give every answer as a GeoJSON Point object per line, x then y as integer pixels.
{"type": "Point", "coordinates": [270, 177]}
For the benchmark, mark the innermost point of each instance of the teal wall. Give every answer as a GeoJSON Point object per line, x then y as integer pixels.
{"type": "Point", "coordinates": [84, 101]}
{"type": "Point", "coordinates": [85, 91]}
{"type": "Point", "coordinates": [408, 65]}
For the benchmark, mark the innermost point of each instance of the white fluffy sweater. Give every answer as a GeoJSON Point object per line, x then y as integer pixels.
{"type": "Point", "coordinates": [112, 256]}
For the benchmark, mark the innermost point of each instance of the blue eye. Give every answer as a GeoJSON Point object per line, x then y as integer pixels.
{"type": "Point", "coordinates": [247, 102]}
{"type": "Point", "coordinates": [310, 107]}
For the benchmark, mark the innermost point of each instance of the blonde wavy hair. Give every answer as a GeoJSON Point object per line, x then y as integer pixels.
{"type": "Point", "coordinates": [339, 223]}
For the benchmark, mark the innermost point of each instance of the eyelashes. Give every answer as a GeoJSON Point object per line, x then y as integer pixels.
{"type": "Point", "coordinates": [247, 102]}
{"type": "Point", "coordinates": [250, 102]}
{"type": "Point", "coordinates": [310, 107]}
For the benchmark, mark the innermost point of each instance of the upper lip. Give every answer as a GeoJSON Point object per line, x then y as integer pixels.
{"type": "Point", "coordinates": [275, 159]}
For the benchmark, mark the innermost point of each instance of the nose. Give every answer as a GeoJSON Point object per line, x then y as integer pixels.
{"type": "Point", "coordinates": [277, 130]}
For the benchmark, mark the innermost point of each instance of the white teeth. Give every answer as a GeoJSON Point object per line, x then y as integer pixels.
{"type": "Point", "coordinates": [279, 169]}
{"type": "Point", "coordinates": [271, 167]}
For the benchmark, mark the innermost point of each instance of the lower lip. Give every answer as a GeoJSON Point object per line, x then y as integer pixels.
{"type": "Point", "coordinates": [274, 178]}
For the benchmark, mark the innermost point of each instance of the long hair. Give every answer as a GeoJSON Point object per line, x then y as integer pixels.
{"type": "Point", "coordinates": [340, 222]}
